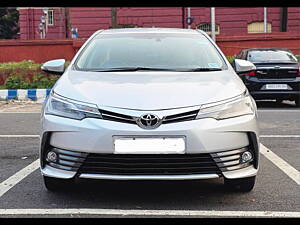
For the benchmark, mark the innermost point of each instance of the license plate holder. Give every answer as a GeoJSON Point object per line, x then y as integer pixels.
{"type": "Point", "coordinates": [149, 145]}
{"type": "Point", "coordinates": [276, 86]}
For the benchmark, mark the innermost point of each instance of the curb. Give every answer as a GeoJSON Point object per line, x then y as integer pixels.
{"type": "Point", "coordinates": [24, 94]}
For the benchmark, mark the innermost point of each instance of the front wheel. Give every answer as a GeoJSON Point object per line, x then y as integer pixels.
{"type": "Point", "coordinates": [55, 184]}
{"type": "Point", "coordinates": [240, 185]}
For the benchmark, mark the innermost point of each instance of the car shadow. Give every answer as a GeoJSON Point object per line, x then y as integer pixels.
{"type": "Point", "coordinates": [272, 104]}
{"type": "Point", "coordinates": [147, 194]}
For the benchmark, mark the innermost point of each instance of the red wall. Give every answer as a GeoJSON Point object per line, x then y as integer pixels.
{"type": "Point", "coordinates": [234, 44]}
{"type": "Point", "coordinates": [44, 50]}
{"type": "Point", "coordinates": [36, 50]}
{"type": "Point", "coordinates": [232, 20]}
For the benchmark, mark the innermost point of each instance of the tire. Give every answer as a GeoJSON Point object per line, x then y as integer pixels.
{"type": "Point", "coordinates": [297, 101]}
{"type": "Point", "coordinates": [240, 185]}
{"type": "Point", "coordinates": [55, 184]}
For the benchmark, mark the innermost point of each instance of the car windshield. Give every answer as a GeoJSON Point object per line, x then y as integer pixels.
{"type": "Point", "coordinates": [271, 56]}
{"type": "Point", "coordinates": [157, 51]}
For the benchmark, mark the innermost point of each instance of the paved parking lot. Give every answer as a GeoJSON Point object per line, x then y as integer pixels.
{"type": "Point", "coordinates": [276, 194]}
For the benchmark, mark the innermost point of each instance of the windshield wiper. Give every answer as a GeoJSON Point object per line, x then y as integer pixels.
{"type": "Point", "coordinates": [131, 69]}
{"type": "Point", "coordinates": [203, 69]}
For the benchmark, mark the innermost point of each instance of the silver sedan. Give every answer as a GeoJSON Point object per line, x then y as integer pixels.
{"type": "Point", "coordinates": [149, 104]}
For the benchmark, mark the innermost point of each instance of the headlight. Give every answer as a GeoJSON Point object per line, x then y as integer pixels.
{"type": "Point", "coordinates": [60, 106]}
{"type": "Point", "coordinates": [238, 106]}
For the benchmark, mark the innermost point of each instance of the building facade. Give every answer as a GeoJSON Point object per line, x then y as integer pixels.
{"type": "Point", "coordinates": [229, 21]}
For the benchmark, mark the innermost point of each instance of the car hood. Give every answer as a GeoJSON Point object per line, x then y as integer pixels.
{"type": "Point", "coordinates": [147, 90]}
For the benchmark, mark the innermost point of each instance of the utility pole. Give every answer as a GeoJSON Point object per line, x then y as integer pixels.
{"type": "Point", "coordinates": [213, 23]}
{"type": "Point", "coordinates": [283, 19]}
{"type": "Point", "coordinates": [113, 17]}
{"type": "Point", "coordinates": [189, 16]}
{"type": "Point", "coordinates": [68, 24]}
{"type": "Point", "coordinates": [265, 20]}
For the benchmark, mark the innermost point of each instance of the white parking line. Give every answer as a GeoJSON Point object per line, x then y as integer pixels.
{"type": "Point", "coordinates": [279, 110]}
{"type": "Point", "coordinates": [37, 136]}
{"type": "Point", "coordinates": [8, 112]}
{"type": "Point", "coordinates": [9, 183]}
{"type": "Point", "coordinates": [133, 212]}
{"type": "Point", "coordinates": [281, 136]}
{"type": "Point", "coordinates": [281, 164]}
{"type": "Point", "coordinates": [20, 136]}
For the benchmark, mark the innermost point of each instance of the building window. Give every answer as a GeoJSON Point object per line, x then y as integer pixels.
{"type": "Point", "coordinates": [206, 27]}
{"type": "Point", "coordinates": [50, 17]}
{"type": "Point", "coordinates": [258, 27]}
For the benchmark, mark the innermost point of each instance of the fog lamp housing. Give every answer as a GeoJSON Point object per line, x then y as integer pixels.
{"type": "Point", "coordinates": [246, 157]}
{"type": "Point", "coordinates": [51, 156]}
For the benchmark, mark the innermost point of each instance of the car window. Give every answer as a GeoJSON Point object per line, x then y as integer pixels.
{"type": "Point", "coordinates": [239, 55]}
{"type": "Point", "coordinates": [168, 51]}
{"type": "Point", "coordinates": [271, 56]}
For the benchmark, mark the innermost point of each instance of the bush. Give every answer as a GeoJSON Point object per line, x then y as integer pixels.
{"type": "Point", "coordinates": [25, 75]}
{"type": "Point", "coordinates": [230, 58]}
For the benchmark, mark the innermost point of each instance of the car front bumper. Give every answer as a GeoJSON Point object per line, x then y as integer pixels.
{"type": "Point", "coordinates": [203, 136]}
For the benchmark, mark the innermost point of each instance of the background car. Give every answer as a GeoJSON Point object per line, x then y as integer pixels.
{"type": "Point", "coordinates": [277, 74]}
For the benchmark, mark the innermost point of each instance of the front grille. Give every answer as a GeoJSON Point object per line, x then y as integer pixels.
{"type": "Point", "coordinates": [149, 164]}
{"type": "Point", "coordinates": [122, 118]}
{"type": "Point", "coordinates": [181, 117]}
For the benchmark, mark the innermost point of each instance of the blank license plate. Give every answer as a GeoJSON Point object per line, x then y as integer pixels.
{"type": "Point", "coordinates": [277, 86]}
{"type": "Point", "coordinates": [167, 145]}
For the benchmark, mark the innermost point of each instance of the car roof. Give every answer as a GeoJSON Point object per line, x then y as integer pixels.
{"type": "Point", "coordinates": [150, 30]}
{"type": "Point", "coordinates": [266, 49]}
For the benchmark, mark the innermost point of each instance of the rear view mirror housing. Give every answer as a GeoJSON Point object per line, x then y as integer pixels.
{"type": "Point", "coordinates": [243, 66]}
{"type": "Point", "coordinates": [56, 66]}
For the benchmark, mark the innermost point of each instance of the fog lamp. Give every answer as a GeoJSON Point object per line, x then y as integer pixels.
{"type": "Point", "coordinates": [52, 156]}
{"type": "Point", "coordinates": [246, 156]}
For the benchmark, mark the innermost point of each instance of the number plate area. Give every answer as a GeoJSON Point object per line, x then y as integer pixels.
{"type": "Point", "coordinates": [149, 145]}
{"type": "Point", "coordinates": [277, 86]}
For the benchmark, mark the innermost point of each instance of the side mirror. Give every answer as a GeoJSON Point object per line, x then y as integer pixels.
{"type": "Point", "coordinates": [243, 66]}
{"type": "Point", "coordinates": [56, 66]}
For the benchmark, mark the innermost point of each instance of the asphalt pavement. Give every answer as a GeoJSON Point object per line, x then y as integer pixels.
{"type": "Point", "coordinates": [274, 192]}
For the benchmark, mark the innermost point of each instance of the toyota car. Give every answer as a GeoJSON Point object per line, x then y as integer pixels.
{"type": "Point", "coordinates": [149, 104]}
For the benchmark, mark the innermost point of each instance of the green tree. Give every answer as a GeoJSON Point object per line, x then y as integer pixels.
{"type": "Point", "coordinates": [9, 27]}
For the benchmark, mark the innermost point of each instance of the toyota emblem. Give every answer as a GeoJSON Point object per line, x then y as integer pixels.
{"type": "Point", "coordinates": [149, 121]}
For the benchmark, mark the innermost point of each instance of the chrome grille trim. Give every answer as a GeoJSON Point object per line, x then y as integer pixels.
{"type": "Point", "coordinates": [228, 158]}
{"type": "Point", "coordinates": [69, 153]}
{"type": "Point", "coordinates": [149, 177]}
{"type": "Point", "coordinates": [228, 153]}
{"type": "Point", "coordinates": [231, 160]}
{"type": "Point", "coordinates": [124, 118]}
{"type": "Point", "coordinates": [67, 160]}
{"type": "Point", "coordinates": [180, 117]}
